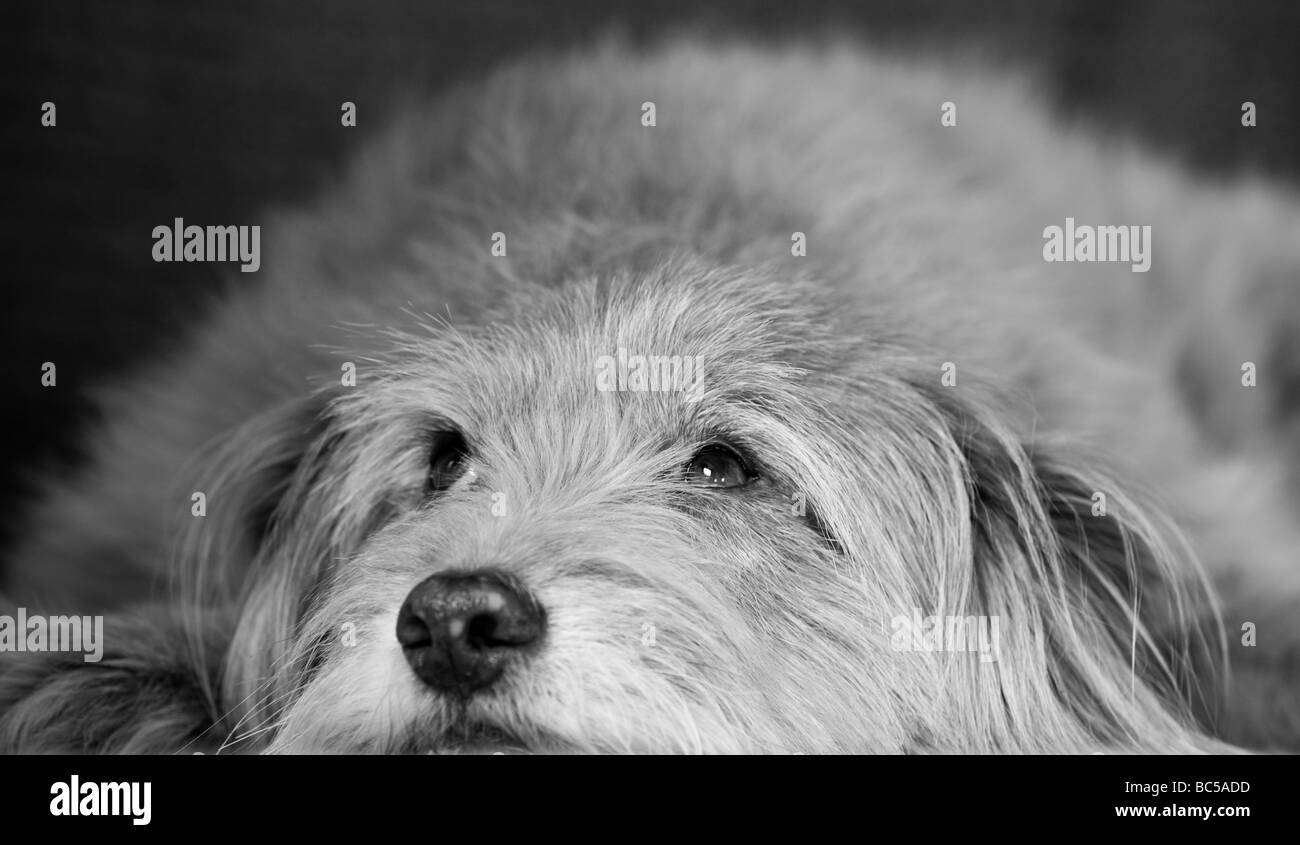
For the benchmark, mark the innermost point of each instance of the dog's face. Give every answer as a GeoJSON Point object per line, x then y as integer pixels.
{"type": "Point", "coordinates": [497, 540]}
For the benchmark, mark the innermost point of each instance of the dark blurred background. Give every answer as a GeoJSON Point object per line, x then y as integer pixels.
{"type": "Point", "coordinates": [215, 111]}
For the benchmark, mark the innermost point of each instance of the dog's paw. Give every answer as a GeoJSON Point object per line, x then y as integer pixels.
{"type": "Point", "coordinates": [143, 695]}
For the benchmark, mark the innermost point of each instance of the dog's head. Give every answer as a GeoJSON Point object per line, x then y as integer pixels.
{"type": "Point", "coordinates": [689, 509]}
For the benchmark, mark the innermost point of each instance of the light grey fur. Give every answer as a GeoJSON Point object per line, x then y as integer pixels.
{"type": "Point", "coordinates": [770, 628]}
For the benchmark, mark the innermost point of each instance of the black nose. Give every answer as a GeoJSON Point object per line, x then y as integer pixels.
{"type": "Point", "coordinates": [460, 631]}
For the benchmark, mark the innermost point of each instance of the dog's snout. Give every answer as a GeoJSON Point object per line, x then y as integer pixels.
{"type": "Point", "coordinates": [460, 631]}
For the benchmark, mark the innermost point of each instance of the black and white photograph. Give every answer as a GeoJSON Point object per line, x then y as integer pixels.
{"type": "Point", "coordinates": [642, 379]}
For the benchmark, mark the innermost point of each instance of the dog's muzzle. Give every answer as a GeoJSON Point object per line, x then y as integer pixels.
{"type": "Point", "coordinates": [461, 631]}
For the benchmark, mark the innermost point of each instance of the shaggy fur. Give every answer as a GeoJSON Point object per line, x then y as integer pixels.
{"type": "Point", "coordinates": [684, 619]}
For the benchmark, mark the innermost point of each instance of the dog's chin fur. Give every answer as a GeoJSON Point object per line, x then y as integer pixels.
{"type": "Point", "coordinates": [683, 619]}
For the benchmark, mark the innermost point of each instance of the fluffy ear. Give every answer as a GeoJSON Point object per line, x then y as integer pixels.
{"type": "Point", "coordinates": [1103, 608]}
{"type": "Point", "coordinates": [295, 491]}
{"type": "Point", "coordinates": [247, 478]}
{"type": "Point", "coordinates": [256, 481]}
{"type": "Point", "coordinates": [156, 688]}
{"type": "Point", "coordinates": [141, 694]}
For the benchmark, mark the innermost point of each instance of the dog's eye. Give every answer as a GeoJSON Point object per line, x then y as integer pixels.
{"type": "Point", "coordinates": [717, 466]}
{"type": "Point", "coordinates": [447, 462]}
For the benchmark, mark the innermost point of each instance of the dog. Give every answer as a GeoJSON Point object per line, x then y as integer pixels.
{"type": "Point", "coordinates": [703, 398]}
